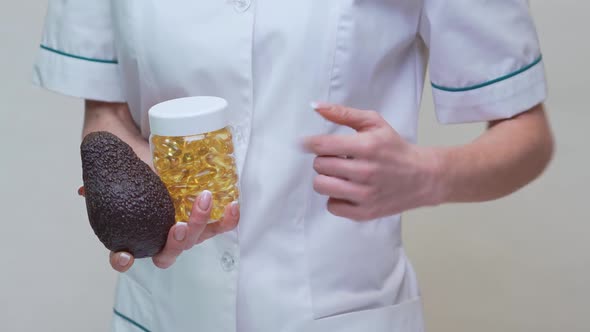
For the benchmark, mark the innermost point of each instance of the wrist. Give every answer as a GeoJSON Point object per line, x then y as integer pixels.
{"type": "Point", "coordinates": [436, 175]}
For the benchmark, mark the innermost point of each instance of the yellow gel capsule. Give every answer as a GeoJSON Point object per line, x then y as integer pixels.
{"type": "Point", "coordinates": [189, 165]}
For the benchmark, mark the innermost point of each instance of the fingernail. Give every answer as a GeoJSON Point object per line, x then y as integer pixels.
{"type": "Point", "coordinates": [205, 200]}
{"type": "Point", "coordinates": [180, 231]}
{"type": "Point", "coordinates": [318, 105]}
{"type": "Point", "coordinates": [124, 259]}
{"type": "Point", "coordinates": [235, 208]}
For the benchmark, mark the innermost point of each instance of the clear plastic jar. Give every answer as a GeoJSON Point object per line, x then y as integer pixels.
{"type": "Point", "coordinates": [192, 148]}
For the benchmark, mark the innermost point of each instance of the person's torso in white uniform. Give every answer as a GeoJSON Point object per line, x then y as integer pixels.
{"type": "Point", "coordinates": [291, 266]}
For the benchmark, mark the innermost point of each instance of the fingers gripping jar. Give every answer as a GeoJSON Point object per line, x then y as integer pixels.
{"type": "Point", "coordinates": [191, 143]}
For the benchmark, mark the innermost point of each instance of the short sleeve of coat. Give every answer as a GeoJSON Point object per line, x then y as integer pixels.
{"type": "Point", "coordinates": [77, 55]}
{"type": "Point", "coordinates": [485, 59]}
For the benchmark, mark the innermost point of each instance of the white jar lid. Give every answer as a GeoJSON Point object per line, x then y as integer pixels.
{"type": "Point", "coordinates": [188, 116]}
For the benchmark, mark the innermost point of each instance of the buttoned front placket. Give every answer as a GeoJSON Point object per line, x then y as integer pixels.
{"type": "Point", "coordinates": [242, 112]}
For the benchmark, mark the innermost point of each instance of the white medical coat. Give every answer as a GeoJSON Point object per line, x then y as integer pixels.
{"type": "Point", "coordinates": [290, 266]}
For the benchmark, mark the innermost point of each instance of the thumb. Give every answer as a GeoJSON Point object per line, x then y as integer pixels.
{"type": "Point", "coordinates": [358, 120]}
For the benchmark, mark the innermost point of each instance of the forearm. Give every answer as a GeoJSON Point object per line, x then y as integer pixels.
{"type": "Point", "coordinates": [509, 155]}
{"type": "Point", "coordinates": [116, 118]}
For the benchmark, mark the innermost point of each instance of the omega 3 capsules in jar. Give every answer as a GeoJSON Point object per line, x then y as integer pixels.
{"type": "Point", "coordinates": [192, 147]}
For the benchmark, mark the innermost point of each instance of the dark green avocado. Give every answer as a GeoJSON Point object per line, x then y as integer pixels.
{"type": "Point", "coordinates": [128, 206]}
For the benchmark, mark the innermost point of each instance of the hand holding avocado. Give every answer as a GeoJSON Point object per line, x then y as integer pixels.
{"type": "Point", "coordinates": [131, 211]}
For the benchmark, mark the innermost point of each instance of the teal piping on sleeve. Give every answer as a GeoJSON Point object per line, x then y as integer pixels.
{"type": "Point", "coordinates": [47, 48]}
{"type": "Point", "coordinates": [494, 81]}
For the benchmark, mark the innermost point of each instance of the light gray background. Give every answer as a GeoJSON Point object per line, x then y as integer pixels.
{"type": "Point", "coordinates": [518, 264]}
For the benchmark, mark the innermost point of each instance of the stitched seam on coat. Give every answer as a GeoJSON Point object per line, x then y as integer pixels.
{"type": "Point", "coordinates": [514, 94]}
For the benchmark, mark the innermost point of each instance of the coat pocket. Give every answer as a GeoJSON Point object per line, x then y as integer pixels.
{"type": "Point", "coordinates": [404, 317]}
{"type": "Point", "coordinates": [366, 268]}
{"type": "Point", "coordinates": [133, 310]}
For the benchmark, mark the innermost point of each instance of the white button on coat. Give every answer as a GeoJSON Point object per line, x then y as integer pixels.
{"type": "Point", "coordinates": [241, 5]}
{"type": "Point", "coordinates": [300, 268]}
{"type": "Point", "coordinates": [228, 262]}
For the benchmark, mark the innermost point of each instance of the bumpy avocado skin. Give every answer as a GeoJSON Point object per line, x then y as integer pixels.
{"type": "Point", "coordinates": [128, 206]}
